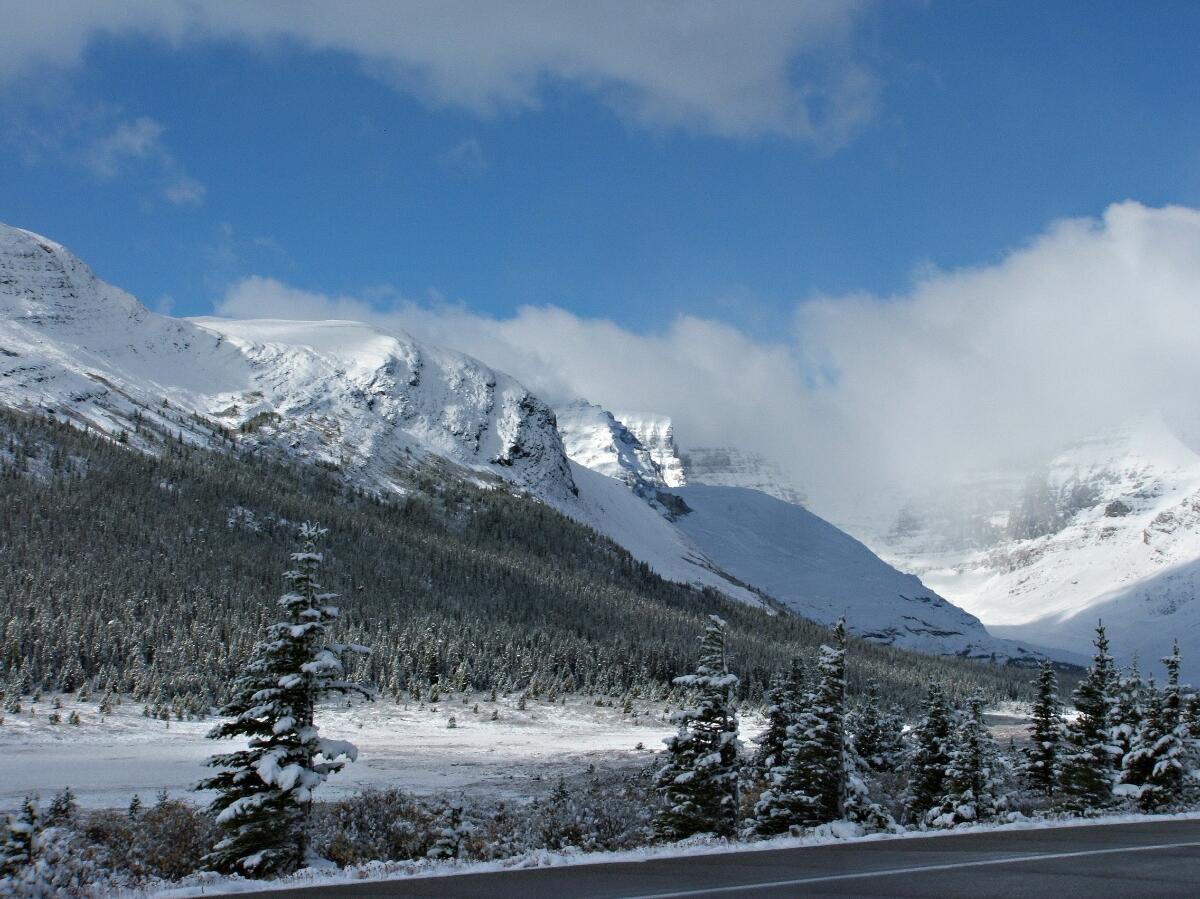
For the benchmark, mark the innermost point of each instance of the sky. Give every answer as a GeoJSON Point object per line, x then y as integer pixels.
{"type": "Point", "coordinates": [819, 224]}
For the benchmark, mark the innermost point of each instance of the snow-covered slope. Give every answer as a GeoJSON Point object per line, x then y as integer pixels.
{"type": "Point", "coordinates": [338, 392]}
{"type": "Point", "coordinates": [776, 546]}
{"type": "Point", "coordinates": [597, 440]}
{"type": "Point", "coordinates": [824, 573]}
{"type": "Point", "coordinates": [341, 393]}
{"type": "Point", "coordinates": [1109, 530]}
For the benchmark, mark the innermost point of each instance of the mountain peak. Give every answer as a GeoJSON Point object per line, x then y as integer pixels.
{"type": "Point", "coordinates": [657, 435]}
{"type": "Point", "coordinates": [596, 439]}
{"type": "Point", "coordinates": [43, 283]}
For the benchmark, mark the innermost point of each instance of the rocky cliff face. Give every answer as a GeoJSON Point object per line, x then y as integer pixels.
{"type": "Point", "coordinates": [728, 467]}
{"type": "Point", "coordinates": [596, 439]}
{"type": "Point", "coordinates": [657, 435]}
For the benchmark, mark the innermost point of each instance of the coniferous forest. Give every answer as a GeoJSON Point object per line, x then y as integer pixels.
{"type": "Point", "coordinates": [146, 575]}
{"type": "Point", "coordinates": [151, 576]}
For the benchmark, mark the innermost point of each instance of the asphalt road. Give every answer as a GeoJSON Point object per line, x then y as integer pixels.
{"type": "Point", "coordinates": [1145, 860]}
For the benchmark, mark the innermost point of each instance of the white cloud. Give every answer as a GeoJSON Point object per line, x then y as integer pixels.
{"type": "Point", "coordinates": [48, 120]}
{"type": "Point", "coordinates": [1093, 323]}
{"type": "Point", "coordinates": [708, 65]}
{"type": "Point", "coordinates": [140, 140]}
{"type": "Point", "coordinates": [129, 140]}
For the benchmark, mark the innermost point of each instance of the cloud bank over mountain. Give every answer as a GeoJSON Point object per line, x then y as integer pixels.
{"type": "Point", "coordinates": [1089, 324]}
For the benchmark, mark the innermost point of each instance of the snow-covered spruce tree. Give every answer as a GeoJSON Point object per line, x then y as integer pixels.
{"type": "Point", "coordinates": [1041, 768]}
{"type": "Point", "coordinates": [877, 731]}
{"type": "Point", "coordinates": [822, 778]}
{"type": "Point", "coordinates": [453, 834]}
{"type": "Point", "coordinates": [1088, 754]}
{"type": "Point", "coordinates": [266, 790]}
{"type": "Point", "coordinates": [857, 804]}
{"type": "Point", "coordinates": [19, 845]}
{"type": "Point", "coordinates": [929, 757]}
{"type": "Point", "coordinates": [784, 699]}
{"type": "Point", "coordinates": [974, 773]}
{"type": "Point", "coordinates": [1155, 766]}
{"type": "Point", "coordinates": [1129, 709]}
{"type": "Point", "coordinates": [698, 782]}
{"type": "Point", "coordinates": [776, 810]}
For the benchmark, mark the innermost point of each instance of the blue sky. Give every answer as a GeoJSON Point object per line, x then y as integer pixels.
{"type": "Point", "coordinates": [178, 157]}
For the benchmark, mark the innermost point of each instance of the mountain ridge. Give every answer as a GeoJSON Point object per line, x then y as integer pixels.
{"type": "Point", "coordinates": [370, 403]}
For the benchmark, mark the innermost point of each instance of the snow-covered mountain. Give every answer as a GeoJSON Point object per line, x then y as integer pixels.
{"type": "Point", "coordinates": [377, 404]}
{"type": "Point", "coordinates": [597, 440]}
{"type": "Point", "coordinates": [657, 435]}
{"type": "Point", "coordinates": [777, 546]}
{"type": "Point", "coordinates": [338, 392]}
{"type": "Point", "coordinates": [1109, 529]}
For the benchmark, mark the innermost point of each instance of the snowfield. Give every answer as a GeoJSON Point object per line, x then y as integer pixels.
{"type": "Point", "coordinates": [105, 760]}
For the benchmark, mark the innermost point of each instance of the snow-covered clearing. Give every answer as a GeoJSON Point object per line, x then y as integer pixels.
{"type": "Point", "coordinates": [105, 760]}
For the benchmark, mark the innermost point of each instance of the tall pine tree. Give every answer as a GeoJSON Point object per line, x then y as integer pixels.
{"type": "Point", "coordinates": [1089, 757]}
{"type": "Point", "coordinates": [929, 757]}
{"type": "Point", "coordinates": [1129, 709]}
{"type": "Point", "coordinates": [1042, 754]}
{"type": "Point", "coordinates": [974, 772]}
{"type": "Point", "coordinates": [877, 732]}
{"type": "Point", "coordinates": [698, 782]}
{"type": "Point", "coordinates": [822, 778]}
{"type": "Point", "coordinates": [1155, 765]}
{"type": "Point", "coordinates": [266, 790]}
{"type": "Point", "coordinates": [783, 701]}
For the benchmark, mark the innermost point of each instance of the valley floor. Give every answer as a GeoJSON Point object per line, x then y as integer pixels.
{"type": "Point", "coordinates": [106, 759]}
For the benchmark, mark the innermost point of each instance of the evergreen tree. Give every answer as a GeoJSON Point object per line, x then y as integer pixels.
{"type": "Point", "coordinates": [783, 701]}
{"type": "Point", "coordinates": [453, 834]}
{"type": "Point", "coordinates": [929, 758]}
{"type": "Point", "coordinates": [19, 842]}
{"type": "Point", "coordinates": [1042, 755]}
{"type": "Point", "coordinates": [1129, 709]}
{"type": "Point", "coordinates": [1089, 757]}
{"type": "Point", "coordinates": [974, 772]}
{"type": "Point", "coordinates": [266, 790]}
{"type": "Point", "coordinates": [822, 778]}
{"type": "Point", "coordinates": [1155, 764]}
{"type": "Point", "coordinates": [698, 782]}
{"type": "Point", "coordinates": [877, 731]}
{"type": "Point", "coordinates": [816, 742]}
{"type": "Point", "coordinates": [62, 809]}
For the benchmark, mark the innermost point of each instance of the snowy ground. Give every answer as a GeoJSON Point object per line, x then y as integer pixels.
{"type": "Point", "coordinates": [105, 760]}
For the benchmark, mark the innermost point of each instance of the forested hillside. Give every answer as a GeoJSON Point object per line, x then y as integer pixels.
{"type": "Point", "coordinates": [154, 575]}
